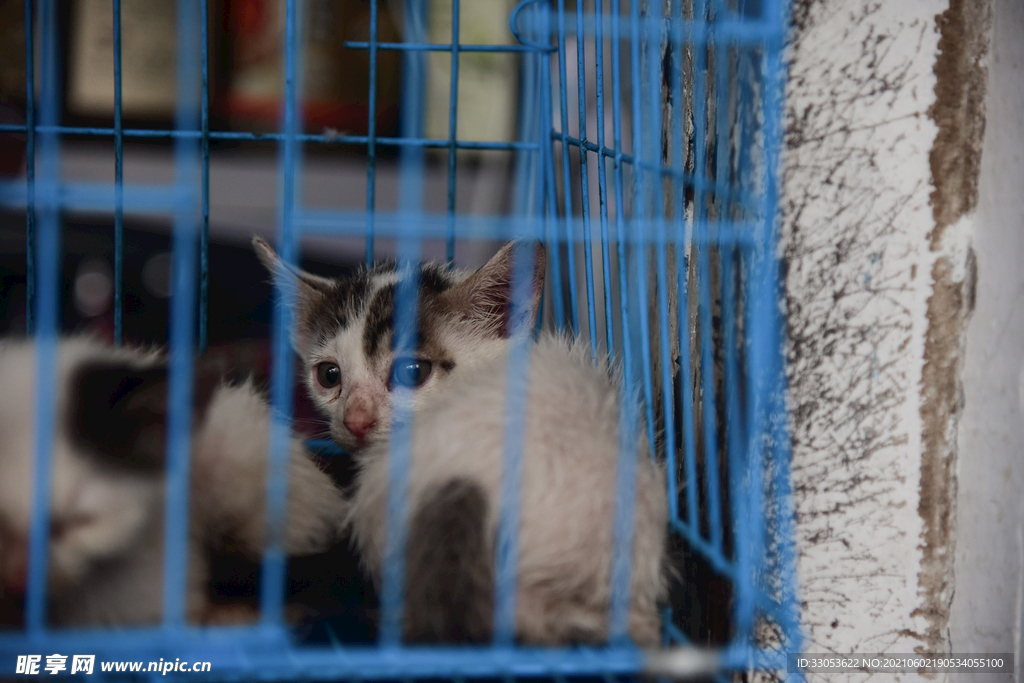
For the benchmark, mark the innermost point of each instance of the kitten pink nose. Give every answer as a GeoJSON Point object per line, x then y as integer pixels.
{"type": "Point", "coordinates": [360, 419]}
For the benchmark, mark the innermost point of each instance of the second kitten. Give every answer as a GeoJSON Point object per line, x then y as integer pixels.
{"type": "Point", "coordinates": [107, 482]}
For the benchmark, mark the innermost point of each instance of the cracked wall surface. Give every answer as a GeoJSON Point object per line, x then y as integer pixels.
{"type": "Point", "coordinates": [883, 132]}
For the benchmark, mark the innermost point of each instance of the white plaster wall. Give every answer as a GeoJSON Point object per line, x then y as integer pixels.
{"type": "Point", "coordinates": [989, 558]}
{"type": "Point", "coordinates": [857, 220]}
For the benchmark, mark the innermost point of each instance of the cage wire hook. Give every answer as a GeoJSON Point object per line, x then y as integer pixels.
{"type": "Point", "coordinates": [513, 25]}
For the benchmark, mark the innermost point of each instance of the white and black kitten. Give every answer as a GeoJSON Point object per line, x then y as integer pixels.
{"type": "Point", "coordinates": [108, 483]}
{"type": "Point", "coordinates": [344, 334]}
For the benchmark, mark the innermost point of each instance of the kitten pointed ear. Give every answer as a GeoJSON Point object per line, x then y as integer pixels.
{"type": "Point", "coordinates": [307, 288]}
{"type": "Point", "coordinates": [119, 409]}
{"type": "Point", "coordinates": [485, 298]}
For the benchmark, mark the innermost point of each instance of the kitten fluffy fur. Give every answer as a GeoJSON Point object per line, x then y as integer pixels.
{"type": "Point", "coordinates": [569, 454]}
{"type": "Point", "coordinates": [567, 500]}
{"type": "Point", "coordinates": [107, 482]}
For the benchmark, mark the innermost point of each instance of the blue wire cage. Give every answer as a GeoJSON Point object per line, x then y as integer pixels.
{"type": "Point", "coordinates": [645, 159]}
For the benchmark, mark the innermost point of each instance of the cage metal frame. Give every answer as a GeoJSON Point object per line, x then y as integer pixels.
{"type": "Point", "coordinates": [540, 26]}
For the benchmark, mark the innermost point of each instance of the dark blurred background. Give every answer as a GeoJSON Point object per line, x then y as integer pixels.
{"type": "Point", "coordinates": [245, 91]}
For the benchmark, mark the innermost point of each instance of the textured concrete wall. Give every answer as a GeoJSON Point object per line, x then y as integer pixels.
{"type": "Point", "coordinates": [884, 124]}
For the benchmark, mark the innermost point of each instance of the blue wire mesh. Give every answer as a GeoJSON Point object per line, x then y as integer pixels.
{"type": "Point", "coordinates": [668, 266]}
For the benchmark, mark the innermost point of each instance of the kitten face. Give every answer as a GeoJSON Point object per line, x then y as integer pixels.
{"type": "Point", "coordinates": [344, 333]}
{"type": "Point", "coordinates": [99, 511]}
{"type": "Point", "coordinates": [350, 363]}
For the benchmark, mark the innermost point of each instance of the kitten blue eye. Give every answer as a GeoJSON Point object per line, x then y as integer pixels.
{"type": "Point", "coordinates": [328, 375]}
{"type": "Point", "coordinates": [410, 372]}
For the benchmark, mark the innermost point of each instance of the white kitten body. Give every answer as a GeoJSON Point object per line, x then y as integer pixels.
{"type": "Point", "coordinates": [229, 478]}
{"type": "Point", "coordinates": [567, 497]}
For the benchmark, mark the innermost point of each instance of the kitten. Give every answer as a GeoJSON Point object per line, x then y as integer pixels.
{"type": "Point", "coordinates": [343, 334]}
{"type": "Point", "coordinates": [107, 482]}
{"type": "Point", "coordinates": [567, 503]}
{"type": "Point", "coordinates": [570, 452]}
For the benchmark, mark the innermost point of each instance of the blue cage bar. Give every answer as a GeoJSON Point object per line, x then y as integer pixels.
{"type": "Point", "coordinates": [646, 160]}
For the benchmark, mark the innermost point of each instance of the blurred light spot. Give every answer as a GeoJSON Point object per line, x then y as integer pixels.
{"type": "Point", "coordinates": [94, 288]}
{"type": "Point", "coordinates": [156, 275]}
